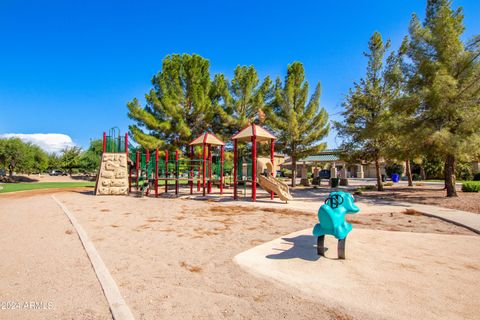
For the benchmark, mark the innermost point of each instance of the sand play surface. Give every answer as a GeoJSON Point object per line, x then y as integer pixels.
{"type": "Point", "coordinates": [174, 259]}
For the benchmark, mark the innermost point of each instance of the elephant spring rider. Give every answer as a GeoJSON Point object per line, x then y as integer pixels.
{"type": "Point", "coordinates": [331, 216]}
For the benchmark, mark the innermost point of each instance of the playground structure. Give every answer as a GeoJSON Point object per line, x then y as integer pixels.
{"type": "Point", "coordinates": [207, 141]}
{"type": "Point", "coordinates": [256, 134]}
{"type": "Point", "coordinates": [112, 176]}
{"type": "Point", "coordinates": [268, 182]}
{"type": "Point", "coordinates": [331, 217]}
{"type": "Point", "coordinates": [125, 168]}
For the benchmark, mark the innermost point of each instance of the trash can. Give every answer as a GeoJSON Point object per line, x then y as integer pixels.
{"type": "Point", "coordinates": [395, 177]}
{"type": "Point", "coordinates": [384, 178]}
{"type": "Point", "coordinates": [334, 182]}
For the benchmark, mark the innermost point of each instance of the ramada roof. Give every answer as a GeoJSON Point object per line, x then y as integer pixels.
{"type": "Point", "coordinates": [207, 138]}
{"type": "Point", "coordinates": [328, 155]}
{"type": "Point", "coordinates": [321, 158]}
{"type": "Point", "coordinates": [260, 133]}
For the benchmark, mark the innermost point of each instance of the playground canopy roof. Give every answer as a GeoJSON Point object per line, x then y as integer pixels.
{"type": "Point", "coordinates": [207, 138]}
{"type": "Point", "coordinates": [253, 131]}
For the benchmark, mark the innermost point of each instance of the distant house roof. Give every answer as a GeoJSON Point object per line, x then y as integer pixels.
{"type": "Point", "coordinates": [321, 158]}
{"type": "Point", "coordinates": [328, 155]}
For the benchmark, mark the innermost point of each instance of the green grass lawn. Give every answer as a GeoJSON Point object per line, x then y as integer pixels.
{"type": "Point", "coordinates": [437, 180]}
{"type": "Point", "coordinates": [12, 187]}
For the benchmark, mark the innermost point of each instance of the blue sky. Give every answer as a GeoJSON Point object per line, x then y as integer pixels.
{"type": "Point", "coordinates": [70, 67]}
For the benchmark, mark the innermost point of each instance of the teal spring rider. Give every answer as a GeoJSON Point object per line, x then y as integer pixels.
{"type": "Point", "coordinates": [331, 216]}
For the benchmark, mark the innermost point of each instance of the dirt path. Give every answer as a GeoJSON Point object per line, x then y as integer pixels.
{"type": "Point", "coordinates": [466, 201]}
{"type": "Point", "coordinates": [44, 262]}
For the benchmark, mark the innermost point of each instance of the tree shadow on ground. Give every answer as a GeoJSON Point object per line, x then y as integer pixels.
{"type": "Point", "coordinates": [83, 177]}
{"type": "Point", "coordinates": [16, 179]}
{"type": "Point", "coordinates": [85, 192]}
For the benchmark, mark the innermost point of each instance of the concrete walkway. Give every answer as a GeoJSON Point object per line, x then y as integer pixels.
{"type": "Point", "coordinates": [465, 219]}
{"type": "Point", "coordinates": [386, 275]}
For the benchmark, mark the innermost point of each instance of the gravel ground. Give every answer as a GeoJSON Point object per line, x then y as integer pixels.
{"type": "Point", "coordinates": [171, 258]}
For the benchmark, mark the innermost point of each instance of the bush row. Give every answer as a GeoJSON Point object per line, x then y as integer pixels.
{"type": "Point", "coordinates": [471, 186]}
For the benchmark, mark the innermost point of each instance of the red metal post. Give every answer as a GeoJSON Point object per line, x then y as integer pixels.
{"type": "Point", "coordinates": [147, 160]}
{"type": "Point", "coordinates": [166, 170]}
{"type": "Point", "coordinates": [129, 168]}
{"type": "Point", "coordinates": [176, 172]}
{"type": "Point", "coordinates": [137, 166]}
{"type": "Point", "coordinates": [104, 142]}
{"type": "Point", "coordinates": [191, 169]}
{"type": "Point", "coordinates": [272, 159]}
{"type": "Point", "coordinates": [126, 144]}
{"type": "Point", "coordinates": [198, 175]}
{"type": "Point", "coordinates": [204, 169]}
{"type": "Point", "coordinates": [156, 172]}
{"type": "Point", "coordinates": [254, 168]}
{"type": "Point", "coordinates": [235, 169]}
{"type": "Point", "coordinates": [222, 155]}
{"type": "Point", "coordinates": [209, 168]}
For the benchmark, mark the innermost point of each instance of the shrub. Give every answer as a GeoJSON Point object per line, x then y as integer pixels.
{"type": "Point", "coordinates": [368, 188]}
{"type": "Point", "coordinates": [394, 168]}
{"type": "Point", "coordinates": [433, 167]}
{"type": "Point", "coordinates": [471, 186]}
{"type": "Point", "coordinates": [463, 171]}
{"type": "Point", "coordinates": [476, 177]}
{"type": "Point", "coordinates": [416, 177]}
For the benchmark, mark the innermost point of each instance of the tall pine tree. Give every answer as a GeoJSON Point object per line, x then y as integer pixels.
{"type": "Point", "coordinates": [445, 77]}
{"type": "Point", "coordinates": [241, 101]}
{"type": "Point", "coordinates": [300, 124]}
{"type": "Point", "coordinates": [367, 108]}
{"type": "Point", "coordinates": [402, 130]}
{"type": "Point", "coordinates": [178, 107]}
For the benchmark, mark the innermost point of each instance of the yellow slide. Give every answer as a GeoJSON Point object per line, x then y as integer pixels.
{"type": "Point", "coordinates": [276, 186]}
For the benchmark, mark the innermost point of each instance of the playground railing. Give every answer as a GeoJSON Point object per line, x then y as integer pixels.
{"type": "Point", "coordinates": [115, 144]}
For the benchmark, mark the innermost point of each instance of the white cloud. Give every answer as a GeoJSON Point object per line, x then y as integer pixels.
{"type": "Point", "coordinates": [50, 142]}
